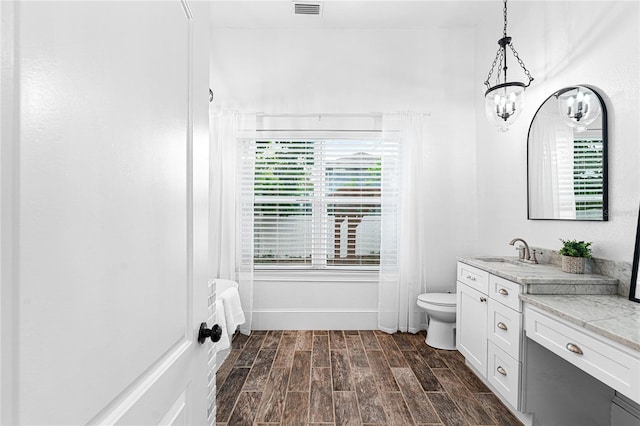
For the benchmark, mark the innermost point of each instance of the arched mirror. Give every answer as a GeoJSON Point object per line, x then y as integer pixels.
{"type": "Point", "coordinates": [634, 292]}
{"type": "Point", "coordinates": [567, 157]}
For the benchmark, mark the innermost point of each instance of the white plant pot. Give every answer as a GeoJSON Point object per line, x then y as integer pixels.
{"type": "Point", "coordinates": [573, 265]}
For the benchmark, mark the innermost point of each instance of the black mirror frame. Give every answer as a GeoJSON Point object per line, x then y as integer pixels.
{"type": "Point", "coordinates": [605, 160]}
{"type": "Point", "coordinates": [634, 291]}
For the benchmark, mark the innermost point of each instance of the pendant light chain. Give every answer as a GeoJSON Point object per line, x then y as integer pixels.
{"type": "Point", "coordinates": [526, 71]}
{"type": "Point", "coordinates": [493, 65]}
{"type": "Point", "coordinates": [502, 60]}
{"type": "Point", "coordinates": [504, 13]}
{"type": "Point", "coordinates": [501, 54]}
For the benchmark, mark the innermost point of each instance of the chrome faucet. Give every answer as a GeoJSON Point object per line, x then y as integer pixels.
{"type": "Point", "coordinates": [527, 255]}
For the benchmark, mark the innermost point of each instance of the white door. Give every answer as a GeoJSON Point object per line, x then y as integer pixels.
{"type": "Point", "coordinates": [104, 212]}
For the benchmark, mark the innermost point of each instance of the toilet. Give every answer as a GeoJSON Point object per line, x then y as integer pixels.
{"type": "Point", "coordinates": [441, 310]}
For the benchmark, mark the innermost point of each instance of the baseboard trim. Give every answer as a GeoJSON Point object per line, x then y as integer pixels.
{"type": "Point", "coordinates": [314, 320]}
{"type": "Point", "coordinates": [627, 404]}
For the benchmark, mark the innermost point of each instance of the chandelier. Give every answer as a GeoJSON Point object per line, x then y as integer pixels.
{"type": "Point", "coordinates": [504, 100]}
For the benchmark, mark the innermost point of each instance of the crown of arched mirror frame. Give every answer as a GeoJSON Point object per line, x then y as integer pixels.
{"type": "Point", "coordinates": [567, 157]}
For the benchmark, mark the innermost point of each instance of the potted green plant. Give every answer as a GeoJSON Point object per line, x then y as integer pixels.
{"type": "Point", "coordinates": [573, 255]}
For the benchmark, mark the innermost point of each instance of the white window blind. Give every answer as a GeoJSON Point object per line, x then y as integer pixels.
{"type": "Point", "coordinates": [588, 172]}
{"type": "Point", "coordinates": [315, 202]}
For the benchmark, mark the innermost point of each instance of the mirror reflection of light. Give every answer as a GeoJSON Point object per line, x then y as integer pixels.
{"type": "Point", "coordinates": [577, 110]}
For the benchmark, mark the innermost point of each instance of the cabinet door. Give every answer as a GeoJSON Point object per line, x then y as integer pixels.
{"type": "Point", "coordinates": [471, 327]}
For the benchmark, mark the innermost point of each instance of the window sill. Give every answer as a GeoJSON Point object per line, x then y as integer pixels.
{"type": "Point", "coordinates": [309, 275]}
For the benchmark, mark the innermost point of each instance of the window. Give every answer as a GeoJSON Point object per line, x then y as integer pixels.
{"type": "Point", "coordinates": [316, 202]}
{"type": "Point", "coordinates": [588, 171]}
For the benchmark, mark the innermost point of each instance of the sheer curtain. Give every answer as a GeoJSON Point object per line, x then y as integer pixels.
{"type": "Point", "coordinates": [404, 232]}
{"type": "Point", "coordinates": [227, 130]}
{"type": "Point", "coordinates": [551, 186]}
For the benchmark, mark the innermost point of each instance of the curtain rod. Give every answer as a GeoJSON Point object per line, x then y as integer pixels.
{"type": "Point", "coordinates": [321, 130]}
{"type": "Point", "coordinates": [321, 114]}
{"type": "Point", "coordinates": [334, 114]}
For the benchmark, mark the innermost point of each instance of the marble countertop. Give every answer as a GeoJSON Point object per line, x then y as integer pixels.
{"type": "Point", "coordinates": [614, 317]}
{"type": "Point", "coordinates": [543, 278]}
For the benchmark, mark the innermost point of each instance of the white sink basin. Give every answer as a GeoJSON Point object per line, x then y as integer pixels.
{"type": "Point", "coordinates": [507, 260]}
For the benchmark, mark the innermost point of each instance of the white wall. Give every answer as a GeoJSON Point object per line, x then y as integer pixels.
{"type": "Point", "coordinates": [362, 70]}
{"type": "Point", "coordinates": [367, 70]}
{"type": "Point", "coordinates": [478, 182]}
{"type": "Point", "coordinates": [563, 44]}
{"type": "Point", "coordinates": [312, 300]}
{"type": "Point", "coordinates": [298, 70]}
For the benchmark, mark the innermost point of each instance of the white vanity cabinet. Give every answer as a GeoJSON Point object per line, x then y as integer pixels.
{"type": "Point", "coordinates": [568, 319]}
{"type": "Point", "coordinates": [489, 329]}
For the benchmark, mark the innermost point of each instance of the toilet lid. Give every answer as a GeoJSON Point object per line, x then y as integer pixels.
{"type": "Point", "coordinates": [441, 299]}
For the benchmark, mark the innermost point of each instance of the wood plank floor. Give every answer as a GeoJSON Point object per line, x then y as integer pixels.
{"type": "Point", "coordinates": [350, 378]}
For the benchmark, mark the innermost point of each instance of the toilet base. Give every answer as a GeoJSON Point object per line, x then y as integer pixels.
{"type": "Point", "coordinates": [441, 335]}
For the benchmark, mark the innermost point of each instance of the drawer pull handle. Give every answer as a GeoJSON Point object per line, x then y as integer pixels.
{"type": "Point", "coordinates": [574, 348]}
{"type": "Point", "coordinates": [501, 370]}
{"type": "Point", "coordinates": [503, 292]}
{"type": "Point", "coordinates": [483, 299]}
{"type": "Point", "coordinates": [469, 277]}
{"type": "Point", "coordinates": [502, 326]}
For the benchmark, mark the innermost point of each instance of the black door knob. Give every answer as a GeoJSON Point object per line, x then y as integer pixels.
{"type": "Point", "coordinates": [215, 333]}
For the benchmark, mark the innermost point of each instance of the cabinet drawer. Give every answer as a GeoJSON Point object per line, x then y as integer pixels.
{"type": "Point", "coordinates": [596, 355]}
{"type": "Point", "coordinates": [505, 292]}
{"type": "Point", "coordinates": [504, 328]}
{"type": "Point", "coordinates": [473, 277]}
{"type": "Point", "coordinates": [504, 374]}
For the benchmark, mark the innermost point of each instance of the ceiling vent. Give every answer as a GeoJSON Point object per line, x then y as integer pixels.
{"type": "Point", "coordinates": [306, 8]}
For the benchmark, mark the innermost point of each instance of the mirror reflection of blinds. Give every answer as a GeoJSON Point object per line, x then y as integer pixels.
{"type": "Point", "coordinates": [588, 177]}
{"type": "Point", "coordinates": [315, 203]}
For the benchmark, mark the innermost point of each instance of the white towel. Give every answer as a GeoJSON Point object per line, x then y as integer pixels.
{"type": "Point", "coordinates": [234, 315]}
{"type": "Point", "coordinates": [222, 285]}
{"type": "Point", "coordinates": [221, 320]}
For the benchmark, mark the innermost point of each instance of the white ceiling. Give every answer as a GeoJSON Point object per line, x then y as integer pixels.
{"type": "Point", "coordinates": [358, 14]}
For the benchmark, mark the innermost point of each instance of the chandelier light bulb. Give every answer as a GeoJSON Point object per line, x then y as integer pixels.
{"type": "Point", "coordinates": [503, 105]}
{"type": "Point", "coordinates": [586, 100]}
